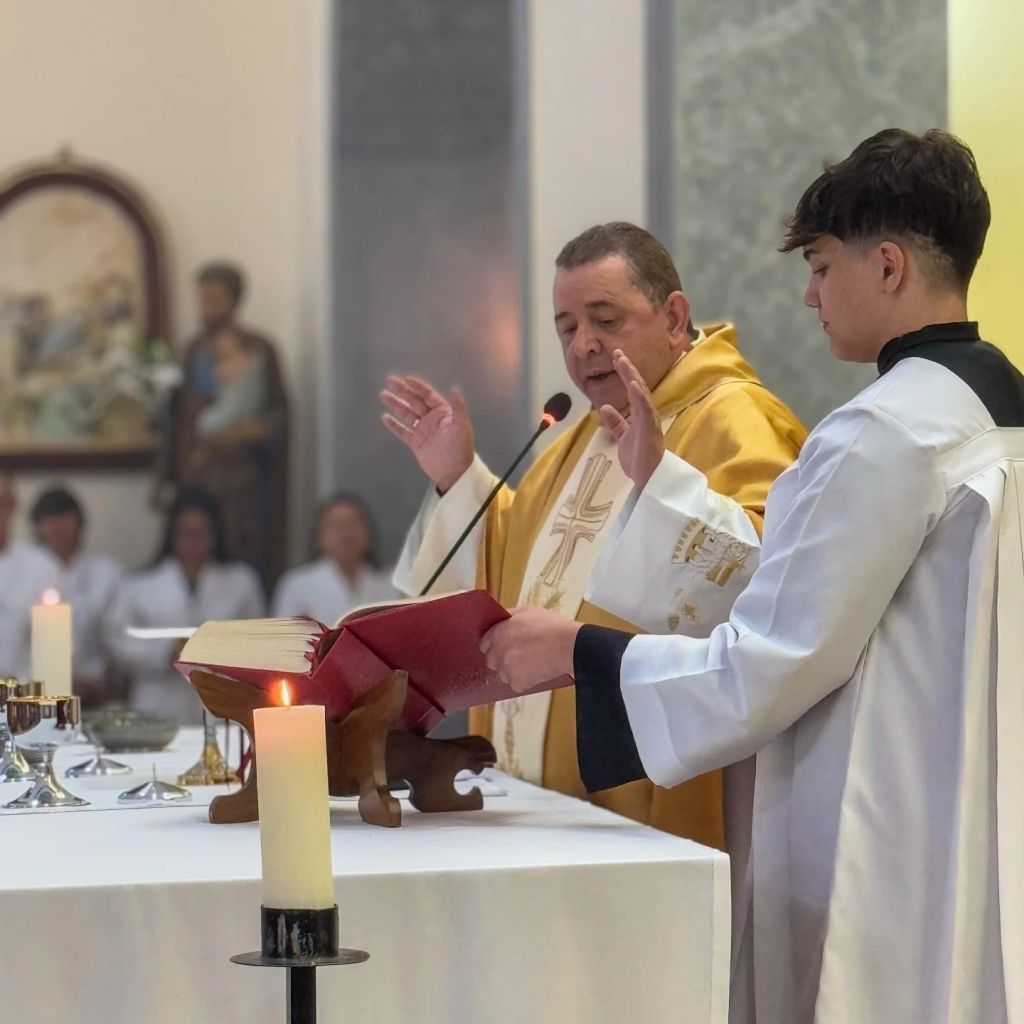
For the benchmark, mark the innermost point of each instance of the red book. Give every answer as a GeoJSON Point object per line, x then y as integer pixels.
{"type": "Point", "coordinates": [436, 641]}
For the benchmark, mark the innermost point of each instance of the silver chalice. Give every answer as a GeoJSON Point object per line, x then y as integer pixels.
{"type": "Point", "coordinates": [13, 766]}
{"type": "Point", "coordinates": [40, 725]}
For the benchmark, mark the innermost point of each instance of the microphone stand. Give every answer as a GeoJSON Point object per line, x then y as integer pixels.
{"type": "Point", "coordinates": [546, 421]}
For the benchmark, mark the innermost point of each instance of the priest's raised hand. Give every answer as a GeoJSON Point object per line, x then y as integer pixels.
{"type": "Point", "coordinates": [435, 429]}
{"type": "Point", "coordinates": [640, 440]}
{"type": "Point", "coordinates": [531, 647]}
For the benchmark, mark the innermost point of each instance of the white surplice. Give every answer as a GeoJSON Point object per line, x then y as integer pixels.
{"type": "Point", "coordinates": [698, 550]}
{"type": "Point", "coordinates": [321, 591]}
{"type": "Point", "coordinates": [26, 570]}
{"type": "Point", "coordinates": [89, 584]}
{"type": "Point", "coordinates": [873, 666]}
{"type": "Point", "coordinates": [161, 596]}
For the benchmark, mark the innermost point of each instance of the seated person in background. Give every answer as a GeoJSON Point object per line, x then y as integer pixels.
{"type": "Point", "coordinates": [25, 572]}
{"type": "Point", "coordinates": [346, 575]}
{"type": "Point", "coordinates": [190, 581]}
{"type": "Point", "coordinates": [241, 398]}
{"type": "Point", "coordinates": [87, 581]}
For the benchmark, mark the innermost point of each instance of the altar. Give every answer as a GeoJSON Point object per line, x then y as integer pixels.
{"type": "Point", "coordinates": [538, 909]}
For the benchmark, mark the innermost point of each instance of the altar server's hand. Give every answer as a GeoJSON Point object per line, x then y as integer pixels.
{"type": "Point", "coordinates": [531, 647]}
{"type": "Point", "coordinates": [641, 443]}
{"type": "Point", "coordinates": [437, 430]}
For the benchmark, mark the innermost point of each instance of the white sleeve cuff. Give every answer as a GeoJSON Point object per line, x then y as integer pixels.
{"type": "Point", "coordinates": [678, 556]}
{"type": "Point", "coordinates": [439, 522]}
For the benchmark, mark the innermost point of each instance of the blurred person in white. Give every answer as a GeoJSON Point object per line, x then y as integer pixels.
{"type": "Point", "coordinates": [25, 572]}
{"type": "Point", "coordinates": [191, 581]}
{"type": "Point", "coordinates": [87, 581]}
{"type": "Point", "coordinates": [346, 575]}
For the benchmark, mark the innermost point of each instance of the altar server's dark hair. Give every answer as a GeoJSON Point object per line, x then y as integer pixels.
{"type": "Point", "coordinates": [921, 188]}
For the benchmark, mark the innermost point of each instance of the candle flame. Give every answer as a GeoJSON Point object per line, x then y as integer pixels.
{"type": "Point", "coordinates": [285, 696]}
{"type": "Point", "coordinates": [50, 596]}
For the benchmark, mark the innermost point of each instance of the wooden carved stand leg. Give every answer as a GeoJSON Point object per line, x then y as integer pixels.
{"type": "Point", "coordinates": [430, 767]}
{"type": "Point", "coordinates": [357, 751]}
{"type": "Point", "coordinates": [364, 752]}
{"type": "Point", "coordinates": [227, 698]}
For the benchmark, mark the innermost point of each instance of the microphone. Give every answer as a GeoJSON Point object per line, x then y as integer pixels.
{"type": "Point", "coordinates": [555, 410]}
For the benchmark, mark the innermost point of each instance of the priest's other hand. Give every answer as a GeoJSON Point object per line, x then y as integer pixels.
{"type": "Point", "coordinates": [435, 429]}
{"type": "Point", "coordinates": [531, 647]}
{"type": "Point", "coordinates": [641, 442]}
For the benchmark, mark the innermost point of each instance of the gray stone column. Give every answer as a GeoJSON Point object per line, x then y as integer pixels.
{"type": "Point", "coordinates": [426, 271]}
{"type": "Point", "coordinates": [749, 99]}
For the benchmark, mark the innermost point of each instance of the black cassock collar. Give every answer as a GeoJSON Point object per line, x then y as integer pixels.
{"type": "Point", "coordinates": [981, 366]}
{"type": "Point", "coordinates": [903, 346]}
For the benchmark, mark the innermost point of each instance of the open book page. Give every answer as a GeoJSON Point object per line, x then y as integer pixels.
{"type": "Point", "coordinates": [435, 641]}
{"type": "Point", "coordinates": [386, 606]}
{"type": "Point", "coordinates": [273, 645]}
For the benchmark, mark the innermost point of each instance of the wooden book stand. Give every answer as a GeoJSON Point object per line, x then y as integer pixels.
{"type": "Point", "coordinates": [364, 752]}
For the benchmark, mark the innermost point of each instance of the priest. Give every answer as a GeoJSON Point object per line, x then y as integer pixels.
{"type": "Point", "coordinates": [873, 662]}
{"type": "Point", "coordinates": [615, 287]}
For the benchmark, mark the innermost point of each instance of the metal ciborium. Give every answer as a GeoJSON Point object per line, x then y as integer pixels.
{"type": "Point", "coordinates": [13, 766]}
{"type": "Point", "coordinates": [212, 767]}
{"type": "Point", "coordinates": [40, 725]}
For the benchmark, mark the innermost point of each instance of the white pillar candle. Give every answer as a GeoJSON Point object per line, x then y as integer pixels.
{"type": "Point", "coordinates": [51, 644]}
{"type": "Point", "coordinates": [295, 817]}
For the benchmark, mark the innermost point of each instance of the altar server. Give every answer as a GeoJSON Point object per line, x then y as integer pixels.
{"type": "Point", "coordinates": [615, 287]}
{"type": "Point", "coordinates": [873, 663]}
{"type": "Point", "coordinates": [191, 581]}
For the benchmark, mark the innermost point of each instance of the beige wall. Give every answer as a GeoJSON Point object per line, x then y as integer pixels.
{"type": "Point", "coordinates": [217, 111]}
{"type": "Point", "coordinates": [986, 108]}
{"type": "Point", "coordinates": [586, 147]}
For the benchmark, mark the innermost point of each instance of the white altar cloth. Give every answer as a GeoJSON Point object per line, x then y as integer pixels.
{"type": "Point", "coordinates": [537, 909]}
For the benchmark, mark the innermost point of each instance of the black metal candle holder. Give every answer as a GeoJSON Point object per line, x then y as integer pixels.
{"type": "Point", "coordinates": [301, 941]}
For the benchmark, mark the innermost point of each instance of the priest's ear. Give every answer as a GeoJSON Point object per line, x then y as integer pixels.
{"type": "Point", "coordinates": [680, 324]}
{"type": "Point", "coordinates": [891, 258]}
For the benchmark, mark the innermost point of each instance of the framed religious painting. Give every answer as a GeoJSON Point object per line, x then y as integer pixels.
{"type": "Point", "coordinates": [85, 367]}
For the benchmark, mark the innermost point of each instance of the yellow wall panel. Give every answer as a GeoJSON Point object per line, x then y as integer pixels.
{"type": "Point", "coordinates": [986, 109]}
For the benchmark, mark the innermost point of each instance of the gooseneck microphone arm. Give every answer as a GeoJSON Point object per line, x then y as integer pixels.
{"type": "Point", "coordinates": [556, 409]}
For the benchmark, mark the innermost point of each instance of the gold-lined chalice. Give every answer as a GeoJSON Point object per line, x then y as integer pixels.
{"type": "Point", "coordinates": [13, 766]}
{"type": "Point", "coordinates": [40, 725]}
{"type": "Point", "coordinates": [212, 767]}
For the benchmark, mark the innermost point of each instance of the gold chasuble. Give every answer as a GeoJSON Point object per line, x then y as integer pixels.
{"type": "Point", "coordinates": [541, 543]}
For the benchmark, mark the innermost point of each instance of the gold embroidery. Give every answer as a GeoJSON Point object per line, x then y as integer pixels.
{"type": "Point", "coordinates": [685, 610]}
{"type": "Point", "coordinates": [512, 708]}
{"type": "Point", "coordinates": [716, 555]}
{"type": "Point", "coordinates": [556, 573]}
{"type": "Point", "coordinates": [578, 520]}
{"type": "Point", "coordinates": [552, 601]}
